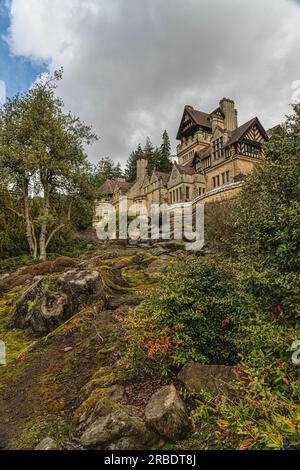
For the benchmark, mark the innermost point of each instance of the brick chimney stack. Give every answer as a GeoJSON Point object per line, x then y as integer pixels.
{"type": "Point", "coordinates": [141, 170]}
{"type": "Point", "coordinates": [231, 115]}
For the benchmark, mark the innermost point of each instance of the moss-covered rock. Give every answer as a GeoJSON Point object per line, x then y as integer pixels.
{"type": "Point", "coordinates": [120, 427]}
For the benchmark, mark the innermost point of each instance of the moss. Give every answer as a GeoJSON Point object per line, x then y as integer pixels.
{"type": "Point", "coordinates": [16, 340]}
{"type": "Point", "coordinates": [134, 276]}
{"type": "Point", "coordinates": [117, 263]}
{"type": "Point", "coordinates": [106, 376]}
{"type": "Point", "coordinates": [97, 397]}
{"type": "Point", "coordinates": [34, 431]}
{"type": "Point", "coordinates": [12, 264]}
{"type": "Point", "coordinates": [111, 280]}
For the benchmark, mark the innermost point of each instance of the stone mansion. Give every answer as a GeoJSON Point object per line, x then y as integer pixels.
{"type": "Point", "coordinates": [213, 157]}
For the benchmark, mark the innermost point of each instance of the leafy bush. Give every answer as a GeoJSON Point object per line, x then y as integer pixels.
{"type": "Point", "coordinates": [211, 310]}
{"type": "Point", "coordinates": [220, 227]}
{"type": "Point", "coordinates": [187, 318]}
{"type": "Point", "coordinates": [266, 412]}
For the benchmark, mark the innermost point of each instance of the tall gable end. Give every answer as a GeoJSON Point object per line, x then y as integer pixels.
{"type": "Point", "coordinates": [187, 122]}
{"type": "Point", "coordinates": [255, 133]}
{"type": "Point", "coordinates": [253, 129]}
{"type": "Point", "coordinates": [193, 120]}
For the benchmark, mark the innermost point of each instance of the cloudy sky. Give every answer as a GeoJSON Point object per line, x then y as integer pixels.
{"type": "Point", "coordinates": [131, 65]}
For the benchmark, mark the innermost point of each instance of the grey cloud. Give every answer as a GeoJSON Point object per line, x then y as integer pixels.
{"type": "Point", "coordinates": [131, 65]}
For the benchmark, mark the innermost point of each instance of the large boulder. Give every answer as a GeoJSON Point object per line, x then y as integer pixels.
{"type": "Point", "coordinates": [119, 428]}
{"type": "Point", "coordinates": [47, 444]}
{"type": "Point", "coordinates": [21, 316]}
{"type": "Point", "coordinates": [213, 379]}
{"type": "Point", "coordinates": [44, 308]}
{"type": "Point", "coordinates": [52, 310]}
{"type": "Point", "coordinates": [167, 414]}
{"type": "Point", "coordinates": [81, 287]}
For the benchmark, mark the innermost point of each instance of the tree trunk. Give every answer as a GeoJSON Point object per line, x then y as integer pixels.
{"type": "Point", "coordinates": [31, 239]}
{"type": "Point", "coordinates": [43, 233]}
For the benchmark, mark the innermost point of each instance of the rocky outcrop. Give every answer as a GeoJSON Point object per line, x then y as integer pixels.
{"type": "Point", "coordinates": [213, 379]}
{"type": "Point", "coordinates": [47, 444]}
{"type": "Point", "coordinates": [21, 317]}
{"type": "Point", "coordinates": [26, 275]}
{"type": "Point", "coordinates": [81, 287]}
{"type": "Point", "coordinates": [81, 363]}
{"type": "Point", "coordinates": [43, 308]}
{"type": "Point", "coordinates": [167, 414]}
{"type": "Point", "coordinates": [119, 428]}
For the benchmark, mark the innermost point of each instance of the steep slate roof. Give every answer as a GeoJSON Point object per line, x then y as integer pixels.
{"type": "Point", "coordinates": [185, 170]}
{"type": "Point", "coordinates": [163, 176]}
{"type": "Point", "coordinates": [124, 186]}
{"type": "Point", "coordinates": [200, 118]}
{"type": "Point", "coordinates": [108, 187]}
{"type": "Point", "coordinates": [204, 153]}
{"type": "Point", "coordinates": [218, 110]}
{"type": "Point", "coordinates": [240, 131]}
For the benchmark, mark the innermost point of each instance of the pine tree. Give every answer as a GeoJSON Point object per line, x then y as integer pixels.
{"type": "Point", "coordinates": [152, 155]}
{"type": "Point", "coordinates": [165, 160]}
{"type": "Point", "coordinates": [130, 171]}
{"type": "Point", "coordinates": [118, 172]}
{"type": "Point", "coordinates": [105, 170]}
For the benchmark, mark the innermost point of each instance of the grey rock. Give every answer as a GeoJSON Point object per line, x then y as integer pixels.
{"type": "Point", "coordinates": [172, 245]}
{"type": "Point", "coordinates": [52, 311]}
{"type": "Point", "coordinates": [167, 414]}
{"type": "Point", "coordinates": [158, 251]}
{"type": "Point", "coordinates": [213, 379]}
{"type": "Point", "coordinates": [21, 316]}
{"type": "Point", "coordinates": [81, 287]}
{"type": "Point", "coordinates": [47, 444]}
{"type": "Point", "coordinates": [122, 429]}
{"type": "Point", "coordinates": [43, 310]}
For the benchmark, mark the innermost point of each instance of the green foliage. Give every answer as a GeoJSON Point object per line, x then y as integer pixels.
{"type": "Point", "coordinates": [131, 166]}
{"type": "Point", "coordinates": [106, 169]}
{"type": "Point", "coordinates": [12, 241]}
{"type": "Point", "coordinates": [269, 206]}
{"type": "Point", "coordinates": [187, 318]}
{"type": "Point", "coordinates": [42, 158]}
{"type": "Point", "coordinates": [247, 310]}
{"type": "Point", "coordinates": [165, 160]}
{"type": "Point", "coordinates": [220, 227]}
{"type": "Point", "coordinates": [158, 158]}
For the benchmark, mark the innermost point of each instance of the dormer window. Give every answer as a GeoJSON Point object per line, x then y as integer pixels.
{"type": "Point", "coordinates": [218, 148]}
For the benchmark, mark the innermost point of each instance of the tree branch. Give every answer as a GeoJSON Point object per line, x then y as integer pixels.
{"type": "Point", "coordinates": [15, 212]}
{"type": "Point", "coordinates": [60, 227]}
{"type": "Point", "coordinates": [69, 211]}
{"type": "Point", "coordinates": [53, 233]}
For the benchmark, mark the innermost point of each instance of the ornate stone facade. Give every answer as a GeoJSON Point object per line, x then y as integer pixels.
{"type": "Point", "coordinates": [213, 157]}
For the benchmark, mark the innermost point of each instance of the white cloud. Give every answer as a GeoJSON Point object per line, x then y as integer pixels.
{"type": "Point", "coordinates": [131, 65]}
